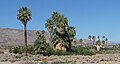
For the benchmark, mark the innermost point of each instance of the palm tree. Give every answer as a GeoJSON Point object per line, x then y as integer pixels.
{"type": "Point", "coordinates": [103, 43]}
{"type": "Point", "coordinates": [106, 41]}
{"type": "Point", "coordinates": [49, 25]}
{"type": "Point", "coordinates": [93, 38]}
{"type": "Point", "coordinates": [98, 43]}
{"type": "Point", "coordinates": [81, 41]}
{"type": "Point", "coordinates": [62, 34]}
{"type": "Point", "coordinates": [40, 42]}
{"type": "Point", "coordinates": [98, 37]}
{"type": "Point", "coordinates": [89, 37]}
{"type": "Point", "coordinates": [71, 33]}
{"type": "Point", "coordinates": [61, 23]}
{"type": "Point", "coordinates": [24, 15]}
{"type": "Point", "coordinates": [55, 38]}
{"type": "Point", "coordinates": [103, 37]}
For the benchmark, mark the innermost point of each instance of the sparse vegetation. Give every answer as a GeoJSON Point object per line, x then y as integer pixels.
{"type": "Point", "coordinates": [75, 50]}
{"type": "Point", "coordinates": [21, 49]}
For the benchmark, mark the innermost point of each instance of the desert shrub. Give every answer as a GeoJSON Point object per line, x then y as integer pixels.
{"type": "Point", "coordinates": [21, 49]}
{"type": "Point", "coordinates": [78, 50]}
{"type": "Point", "coordinates": [74, 51]}
{"type": "Point", "coordinates": [31, 49]}
{"type": "Point", "coordinates": [18, 49]}
{"type": "Point", "coordinates": [59, 52]}
{"type": "Point", "coordinates": [49, 50]}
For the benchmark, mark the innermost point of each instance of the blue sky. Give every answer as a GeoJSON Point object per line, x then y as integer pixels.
{"type": "Point", "coordinates": [90, 17]}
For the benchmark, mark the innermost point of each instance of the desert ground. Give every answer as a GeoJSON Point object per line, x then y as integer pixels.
{"type": "Point", "coordinates": [10, 58]}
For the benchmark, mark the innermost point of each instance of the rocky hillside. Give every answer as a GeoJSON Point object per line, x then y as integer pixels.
{"type": "Point", "coordinates": [15, 36]}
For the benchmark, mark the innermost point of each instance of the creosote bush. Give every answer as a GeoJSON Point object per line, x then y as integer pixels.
{"type": "Point", "coordinates": [21, 49]}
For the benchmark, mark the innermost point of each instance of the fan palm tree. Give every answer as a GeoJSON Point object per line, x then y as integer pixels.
{"type": "Point", "coordinates": [81, 41]}
{"type": "Point", "coordinates": [93, 38]}
{"type": "Point", "coordinates": [103, 43]}
{"type": "Point", "coordinates": [24, 15]}
{"type": "Point", "coordinates": [98, 43]}
{"type": "Point", "coordinates": [89, 37]}
{"type": "Point", "coordinates": [40, 43]}
{"type": "Point", "coordinates": [71, 33]}
{"type": "Point", "coordinates": [98, 37]}
{"type": "Point", "coordinates": [62, 34]}
{"type": "Point", "coordinates": [49, 25]}
{"type": "Point", "coordinates": [55, 16]}
{"type": "Point", "coordinates": [103, 37]}
{"type": "Point", "coordinates": [106, 41]}
{"type": "Point", "coordinates": [61, 23]}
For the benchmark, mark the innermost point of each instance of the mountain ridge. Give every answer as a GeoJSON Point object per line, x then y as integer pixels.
{"type": "Point", "coordinates": [16, 36]}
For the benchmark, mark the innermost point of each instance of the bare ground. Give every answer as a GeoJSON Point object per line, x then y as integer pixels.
{"type": "Point", "coordinates": [9, 58]}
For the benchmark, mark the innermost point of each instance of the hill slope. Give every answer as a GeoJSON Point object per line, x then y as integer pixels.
{"type": "Point", "coordinates": [15, 36]}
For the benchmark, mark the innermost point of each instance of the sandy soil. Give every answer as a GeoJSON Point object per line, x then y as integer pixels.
{"type": "Point", "coordinates": [8, 58]}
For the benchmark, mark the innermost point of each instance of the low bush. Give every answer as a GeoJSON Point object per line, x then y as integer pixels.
{"type": "Point", "coordinates": [18, 49]}
{"type": "Point", "coordinates": [31, 49]}
{"type": "Point", "coordinates": [49, 50]}
{"type": "Point", "coordinates": [21, 49]}
{"type": "Point", "coordinates": [74, 51]}
{"type": "Point", "coordinates": [78, 50]}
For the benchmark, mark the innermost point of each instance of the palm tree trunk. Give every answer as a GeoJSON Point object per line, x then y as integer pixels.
{"type": "Point", "coordinates": [81, 43]}
{"type": "Point", "coordinates": [25, 35]}
{"type": "Point", "coordinates": [106, 45]}
{"type": "Point", "coordinates": [93, 42]}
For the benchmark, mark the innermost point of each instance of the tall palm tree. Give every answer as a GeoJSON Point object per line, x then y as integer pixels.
{"type": "Point", "coordinates": [103, 37]}
{"type": "Point", "coordinates": [49, 25]}
{"type": "Point", "coordinates": [61, 23]}
{"type": "Point", "coordinates": [98, 37]}
{"type": "Point", "coordinates": [106, 41]}
{"type": "Point", "coordinates": [103, 43]}
{"type": "Point", "coordinates": [93, 38]}
{"type": "Point", "coordinates": [89, 37]}
{"type": "Point", "coordinates": [24, 15]}
{"type": "Point", "coordinates": [81, 41]}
